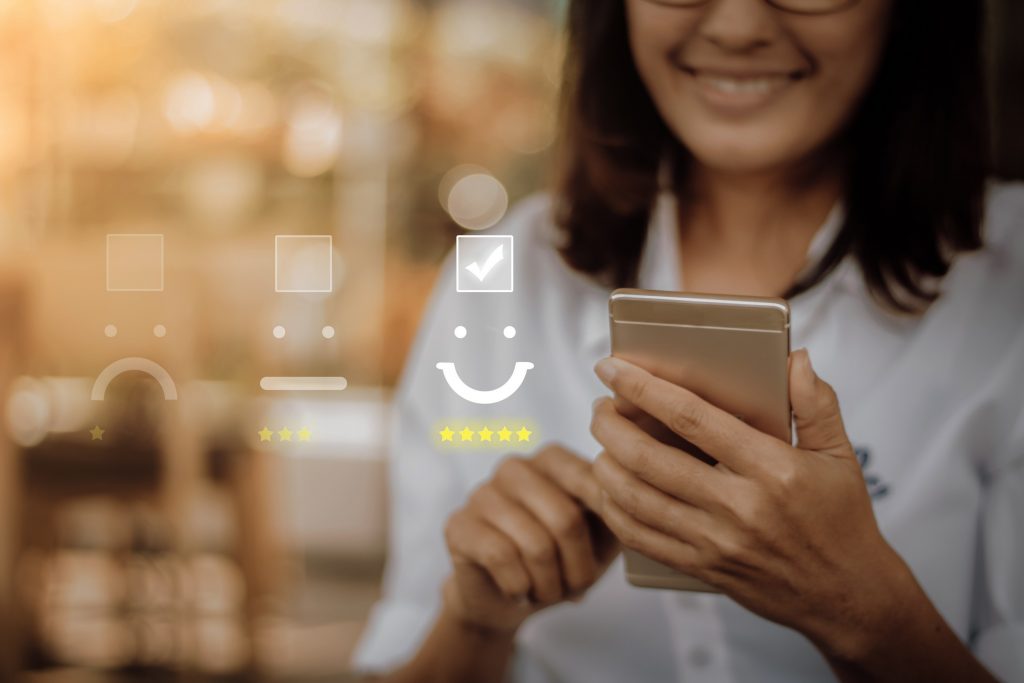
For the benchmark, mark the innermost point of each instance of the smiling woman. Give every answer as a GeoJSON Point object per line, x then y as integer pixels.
{"type": "Point", "coordinates": [833, 152]}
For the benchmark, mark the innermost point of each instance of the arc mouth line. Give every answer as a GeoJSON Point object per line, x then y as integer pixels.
{"type": "Point", "coordinates": [511, 385]}
{"type": "Point", "coordinates": [119, 367]}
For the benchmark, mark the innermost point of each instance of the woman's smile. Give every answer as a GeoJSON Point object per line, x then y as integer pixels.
{"type": "Point", "coordinates": [738, 91]}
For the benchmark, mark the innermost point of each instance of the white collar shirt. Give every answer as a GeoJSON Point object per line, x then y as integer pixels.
{"type": "Point", "coordinates": [933, 404]}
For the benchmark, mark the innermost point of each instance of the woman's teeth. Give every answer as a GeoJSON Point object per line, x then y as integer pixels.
{"type": "Point", "coordinates": [756, 85]}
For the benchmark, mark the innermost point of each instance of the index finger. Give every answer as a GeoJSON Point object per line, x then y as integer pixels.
{"type": "Point", "coordinates": [572, 474]}
{"type": "Point", "coordinates": [722, 435]}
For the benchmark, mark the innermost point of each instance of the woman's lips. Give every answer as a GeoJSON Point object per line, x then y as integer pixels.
{"type": "Point", "coordinates": [741, 91]}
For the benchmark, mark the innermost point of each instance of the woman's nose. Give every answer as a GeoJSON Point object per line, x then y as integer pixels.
{"type": "Point", "coordinates": [738, 25]}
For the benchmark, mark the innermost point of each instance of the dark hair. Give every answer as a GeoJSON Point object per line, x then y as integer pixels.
{"type": "Point", "coordinates": [916, 150]}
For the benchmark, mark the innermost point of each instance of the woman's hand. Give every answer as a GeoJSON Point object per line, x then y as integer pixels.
{"type": "Point", "coordinates": [786, 531]}
{"type": "Point", "coordinates": [526, 540]}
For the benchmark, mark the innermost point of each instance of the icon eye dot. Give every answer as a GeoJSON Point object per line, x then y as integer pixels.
{"type": "Point", "coordinates": [327, 332]}
{"type": "Point", "coordinates": [110, 330]}
{"type": "Point", "coordinates": [460, 332]}
{"type": "Point", "coordinates": [279, 331]}
{"type": "Point", "coordinates": [509, 332]}
{"type": "Point", "coordinates": [160, 331]}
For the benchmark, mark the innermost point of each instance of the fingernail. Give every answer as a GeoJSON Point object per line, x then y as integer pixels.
{"type": "Point", "coordinates": [605, 370]}
{"type": "Point", "coordinates": [807, 357]}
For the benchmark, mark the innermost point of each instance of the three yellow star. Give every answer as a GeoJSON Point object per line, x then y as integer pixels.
{"type": "Point", "coordinates": [97, 433]}
{"type": "Point", "coordinates": [284, 434]}
{"type": "Point", "coordinates": [446, 434]}
{"type": "Point", "coordinates": [485, 434]}
{"type": "Point", "coordinates": [466, 434]}
{"type": "Point", "coordinates": [524, 434]}
{"type": "Point", "coordinates": [265, 434]}
{"type": "Point", "coordinates": [304, 434]}
{"type": "Point", "coordinates": [504, 434]}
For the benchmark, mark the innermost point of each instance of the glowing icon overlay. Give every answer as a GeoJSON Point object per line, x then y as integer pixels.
{"type": "Point", "coordinates": [303, 264]}
{"type": "Point", "coordinates": [135, 263]}
{"type": "Point", "coordinates": [458, 434]}
{"type": "Point", "coordinates": [303, 383]}
{"type": "Point", "coordinates": [490, 396]}
{"type": "Point", "coordinates": [484, 263]}
{"type": "Point", "coordinates": [119, 367]}
{"type": "Point", "coordinates": [284, 434]}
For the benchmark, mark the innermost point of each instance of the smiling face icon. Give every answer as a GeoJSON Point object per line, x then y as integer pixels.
{"type": "Point", "coordinates": [478, 396]}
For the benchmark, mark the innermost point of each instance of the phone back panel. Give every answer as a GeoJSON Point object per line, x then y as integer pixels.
{"type": "Point", "coordinates": [731, 351]}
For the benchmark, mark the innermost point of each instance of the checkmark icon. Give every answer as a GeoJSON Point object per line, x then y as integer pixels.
{"type": "Point", "coordinates": [495, 257]}
{"type": "Point", "coordinates": [484, 263]}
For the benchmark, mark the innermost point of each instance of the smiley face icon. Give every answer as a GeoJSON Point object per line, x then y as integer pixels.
{"type": "Point", "coordinates": [490, 396]}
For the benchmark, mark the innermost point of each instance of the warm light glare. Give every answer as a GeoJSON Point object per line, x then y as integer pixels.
{"type": "Point", "coordinates": [477, 201]}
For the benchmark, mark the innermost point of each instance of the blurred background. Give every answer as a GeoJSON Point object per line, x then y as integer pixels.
{"type": "Point", "coordinates": [236, 533]}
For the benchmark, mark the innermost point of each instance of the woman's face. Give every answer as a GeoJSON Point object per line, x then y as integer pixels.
{"type": "Point", "coordinates": [747, 87]}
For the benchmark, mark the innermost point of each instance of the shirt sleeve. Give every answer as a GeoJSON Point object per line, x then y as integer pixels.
{"type": "Point", "coordinates": [424, 489]}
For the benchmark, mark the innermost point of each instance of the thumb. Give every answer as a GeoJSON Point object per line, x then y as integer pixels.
{"type": "Point", "coordinates": [819, 424]}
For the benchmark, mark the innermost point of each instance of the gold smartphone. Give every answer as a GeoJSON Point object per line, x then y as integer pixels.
{"type": "Point", "coordinates": [733, 351]}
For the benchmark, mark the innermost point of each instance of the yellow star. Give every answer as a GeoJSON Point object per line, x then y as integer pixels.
{"type": "Point", "coordinates": [97, 433]}
{"type": "Point", "coordinates": [524, 434]}
{"type": "Point", "coordinates": [466, 434]}
{"type": "Point", "coordinates": [504, 434]}
{"type": "Point", "coordinates": [446, 434]}
{"type": "Point", "coordinates": [284, 434]}
{"type": "Point", "coordinates": [304, 434]}
{"type": "Point", "coordinates": [485, 434]}
{"type": "Point", "coordinates": [265, 434]}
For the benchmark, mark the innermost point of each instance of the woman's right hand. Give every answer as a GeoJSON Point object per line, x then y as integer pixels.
{"type": "Point", "coordinates": [526, 539]}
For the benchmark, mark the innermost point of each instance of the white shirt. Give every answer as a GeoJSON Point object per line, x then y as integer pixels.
{"type": "Point", "coordinates": [934, 404]}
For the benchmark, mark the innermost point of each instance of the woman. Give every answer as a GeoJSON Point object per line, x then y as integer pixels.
{"type": "Point", "coordinates": [830, 151]}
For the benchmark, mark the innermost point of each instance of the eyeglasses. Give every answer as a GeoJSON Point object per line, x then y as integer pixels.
{"type": "Point", "coordinates": [793, 6]}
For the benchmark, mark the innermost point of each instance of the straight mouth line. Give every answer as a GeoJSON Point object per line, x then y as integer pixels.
{"type": "Point", "coordinates": [303, 383]}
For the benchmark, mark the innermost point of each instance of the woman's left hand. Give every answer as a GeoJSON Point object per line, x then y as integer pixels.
{"type": "Point", "coordinates": [786, 531]}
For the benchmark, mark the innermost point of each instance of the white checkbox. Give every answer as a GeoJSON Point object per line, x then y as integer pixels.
{"type": "Point", "coordinates": [135, 263]}
{"type": "Point", "coordinates": [484, 263]}
{"type": "Point", "coordinates": [303, 264]}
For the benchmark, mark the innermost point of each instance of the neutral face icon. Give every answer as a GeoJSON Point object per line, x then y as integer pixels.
{"type": "Point", "coordinates": [478, 396]}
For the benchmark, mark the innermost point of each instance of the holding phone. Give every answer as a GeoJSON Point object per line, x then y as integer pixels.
{"type": "Point", "coordinates": [732, 351]}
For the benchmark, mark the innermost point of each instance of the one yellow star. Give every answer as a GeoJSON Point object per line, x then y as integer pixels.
{"type": "Point", "coordinates": [485, 434]}
{"type": "Point", "coordinates": [97, 433]}
{"type": "Point", "coordinates": [504, 434]}
{"type": "Point", "coordinates": [466, 434]}
{"type": "Point", "coordinates": [265, 434]}
{"type": "Point", "coordinates": [524, 434]}
{"type": "Point", "coordinates": [304, 434]}
{"type": "Point", "coordinates": [446, 434]}
{"type": "Point", "coordinates": [284, 434]}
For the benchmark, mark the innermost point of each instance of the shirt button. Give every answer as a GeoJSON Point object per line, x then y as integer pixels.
{"type": "Point", "coordinates": [700, 657]}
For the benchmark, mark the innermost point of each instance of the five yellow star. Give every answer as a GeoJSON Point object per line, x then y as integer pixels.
{"type": "Point", "coordinates": [485, 434]}
{"type": "Point", "coordinates": [524, 434]}
{"type": "Point", "coordinates": [466, 434]}
{"type": "Point", "coordinates": [265, 434]}
{"type": "Point", "coordinates": [97, 433]}
{"type": "Point", "coordinates": [504, 434]}
{"type": "Point", "coordinates": [446, 434]}
{"type": "Point", "coordinates": [304, 434]}
{"type": "Point", "coordinates": [284, 434]}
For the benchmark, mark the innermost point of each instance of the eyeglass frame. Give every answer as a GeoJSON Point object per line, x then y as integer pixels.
{"type": "Point", "coordinates": [691, 4]}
